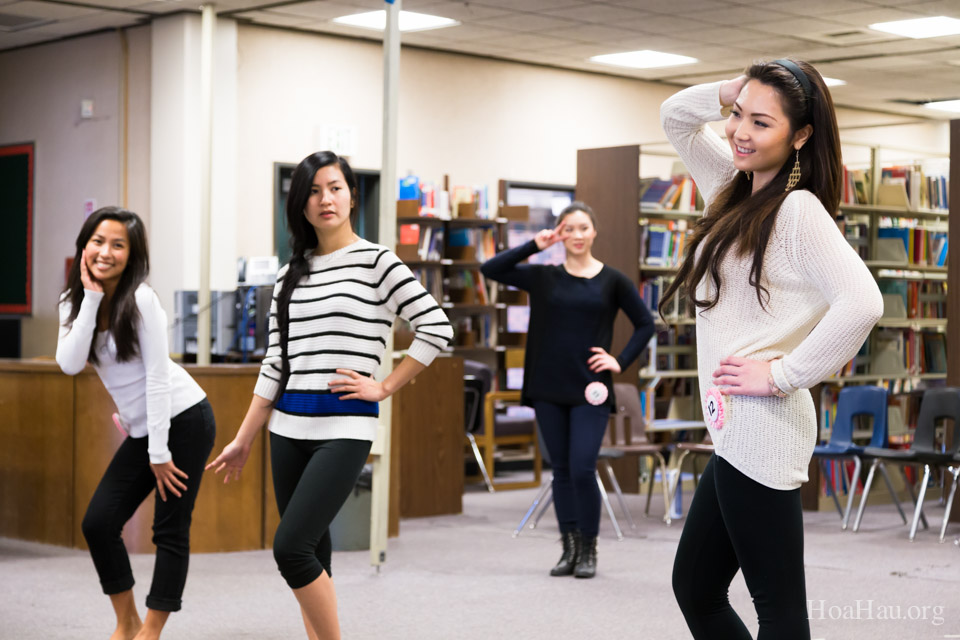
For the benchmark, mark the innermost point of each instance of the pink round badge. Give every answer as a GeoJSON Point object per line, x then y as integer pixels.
{"type": "Point", "coordinates": [596, 393]}
{"type": "Point", "coordinates": [714, 408]}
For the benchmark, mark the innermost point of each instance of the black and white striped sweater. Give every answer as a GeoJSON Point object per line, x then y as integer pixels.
{"type": "Point", "coordinates": [340, 317]}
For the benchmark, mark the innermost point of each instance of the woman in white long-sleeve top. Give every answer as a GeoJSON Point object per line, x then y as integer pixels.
{"type": "Point", "coordinates": [112, 319]}
{"type": "Point", "coordinates": [782, 302]}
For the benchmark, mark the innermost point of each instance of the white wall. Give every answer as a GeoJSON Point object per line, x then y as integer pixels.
{"type": "Point", "coordinates": [477, 120]}
{"type": "Point", "coordinates": [75, 159]}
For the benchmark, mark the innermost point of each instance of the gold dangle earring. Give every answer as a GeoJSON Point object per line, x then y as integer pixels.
{"type": "Point", "coordinates": [794, 177]}
{"type": "Point", "coordinates": [749, 174]}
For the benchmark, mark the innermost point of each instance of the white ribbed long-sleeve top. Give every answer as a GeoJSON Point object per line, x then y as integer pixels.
{"type": "Point", "coordinates": [823, 303]}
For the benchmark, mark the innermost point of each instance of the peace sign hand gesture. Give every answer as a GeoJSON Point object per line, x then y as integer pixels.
{"type": "Point", "coordinates": [549, 237]}
{"type": "Point", "coordinates": [88, 281]}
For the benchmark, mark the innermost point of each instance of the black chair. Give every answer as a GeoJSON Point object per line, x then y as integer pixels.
{"type": "Point", "coordinates": [486, 428]}
{"type": "Point", "coordinates": [936, 404]}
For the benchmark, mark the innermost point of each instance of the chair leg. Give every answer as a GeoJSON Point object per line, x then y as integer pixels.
{"type": "Point", "coordinates": [696, 473]}
{"type": "Point", "coordinates": [893, 494]}
{"type": "Point", "coordinates": [616, 490]}
{"type": "Point", "coordinates": [913, 497]}
{"type": "Point", "coordinates": [606, 503]}
{"type": "Point", "coordinates": [953, 489]}
{"type": "Point", "coordinates": [866, 494]}
{"type": "Point", "coordinates": [480, 463]}
{"type": "Point", "coordinates": [831, 486]}
{"type": "Point", "coordinates": [543, 510]}
{"type": "Point", "coordinates": [653, 473]}
{"type": "Point", "coordinates": [674, 486]}
{"type": "Point", "coordinates": [664, 484]}
{"type": "Point", "coordinates": [851, 491]}
{"type": "Point", "coordinates": [919, 510]}
{"type": "Point", "coordinates": [544, 488]}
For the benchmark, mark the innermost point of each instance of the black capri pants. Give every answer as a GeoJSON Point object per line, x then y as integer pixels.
{"type": "Point", "coordinates": [126, 483]}
{"type": "Point", "coordinates": [311, 480]}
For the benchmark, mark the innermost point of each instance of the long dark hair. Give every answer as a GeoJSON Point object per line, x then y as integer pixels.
{"type": "Point", "coordinates": [303, 240]}
{"type": "Point", "coordinates": [739, 216]}
{"type": "Point", "coordinates": [123, 305]}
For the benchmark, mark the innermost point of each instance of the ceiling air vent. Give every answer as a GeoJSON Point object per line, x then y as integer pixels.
{"type": "Point", "coordinates": [847, 37]}
{"type": "Point", "coordinates": [9, 23]}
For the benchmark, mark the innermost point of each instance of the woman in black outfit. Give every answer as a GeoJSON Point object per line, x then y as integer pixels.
{"type": "Point", "coordinates": [568, 373]}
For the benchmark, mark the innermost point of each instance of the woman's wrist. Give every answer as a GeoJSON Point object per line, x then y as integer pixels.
{"type": "Point", "coordinates": [774, 389]}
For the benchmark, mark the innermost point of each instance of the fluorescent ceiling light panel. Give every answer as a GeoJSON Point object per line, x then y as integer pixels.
{"type": "Point", "coordinates": [944, 105]}
{"type": "Point", "coordinates": [409, 21]}
{"type": "Point", "coordinates": [833, 82]}
{"type": "Point", "coordinates": [645, 59]}
{"type": "Point", "coordinates": [932, 27]}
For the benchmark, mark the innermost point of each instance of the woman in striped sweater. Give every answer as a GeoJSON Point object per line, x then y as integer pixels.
{"type": "Point", "coordinates": [333, 308]}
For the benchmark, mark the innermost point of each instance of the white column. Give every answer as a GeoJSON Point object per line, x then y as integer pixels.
{"type": "Point", "coordinates": [175, 158]}
{"type": "Point", "coordinates": [380, 499]}
{"type": "Point", "coordinates": [208, 19]}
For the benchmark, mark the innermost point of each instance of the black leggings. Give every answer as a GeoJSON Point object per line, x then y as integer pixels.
{"type": "Point", "coordinates": [311, 480]}
{"type": "Point", "coordinates": [126, 483]}
{"type": "Point", "coordinates": [573, 435]}
{"type": "Point", "coordinates": [735, 524]}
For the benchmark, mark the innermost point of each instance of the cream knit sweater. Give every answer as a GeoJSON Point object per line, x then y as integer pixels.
{"type": "Point", "coordinates": [823, 303]}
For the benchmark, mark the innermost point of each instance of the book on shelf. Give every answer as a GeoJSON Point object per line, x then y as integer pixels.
{"type": "Point", "coordinates": [419, 242]}
{"type": "Point", "coordinates": [662, 242]}
{"type": "Point", "coordinates": [468, 286]}
{"type": "Point", "coordinates": [913, 299]}
{"type": "Point", "coordinates": [856, 186]}
{"type": "Point", "coordinates": [677, 194]}
{"type": "Point", "coordinates": [857, 233]}
{"type": "Point", "coordinates": [909, 186]}
{"type": "Point", "coordinates": [923, 245]}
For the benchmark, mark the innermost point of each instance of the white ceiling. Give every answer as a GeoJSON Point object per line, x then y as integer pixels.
{"type": "Point", "coordinates": [724, 35]}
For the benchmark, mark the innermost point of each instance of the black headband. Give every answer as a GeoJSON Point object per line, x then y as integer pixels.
{"type": "Point", "coordinates": [798, 74]}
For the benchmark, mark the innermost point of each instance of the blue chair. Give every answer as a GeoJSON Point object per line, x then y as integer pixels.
{"type": "Point", "coordinates": [853, 402]}
{"type": "Point", "coordinates": [937, 404]}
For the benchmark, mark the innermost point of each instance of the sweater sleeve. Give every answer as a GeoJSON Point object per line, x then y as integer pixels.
{"type": "Point", "coordinates": [152, 337]}
{"type": "Point", "coordinates": [505, 267]}
{"type": "Point", "coordinates": [407, 298]}
{"type": "Point", "coordinates": [684, 117]}
{"type": "Point", "coordinates": [268, 382]}
{"type": "Point", "coordinates": [628, 298]}
{"type": "Point", "coordinates": [73, 343]}
{"type": "Point", "coordinates": [821, 255]}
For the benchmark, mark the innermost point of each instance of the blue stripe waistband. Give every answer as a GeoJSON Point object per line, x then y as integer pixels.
{"type": "Point", "coordinates": [325, 404]}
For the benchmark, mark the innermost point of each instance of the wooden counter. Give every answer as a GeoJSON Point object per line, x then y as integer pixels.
{"type": "Point", "coordinates": [56, 439]}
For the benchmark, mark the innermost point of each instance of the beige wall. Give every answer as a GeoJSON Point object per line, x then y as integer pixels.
{"type": "Point", "coordinates": [75, 159]}
{"type": "Point", "coordinates": [478, 120]}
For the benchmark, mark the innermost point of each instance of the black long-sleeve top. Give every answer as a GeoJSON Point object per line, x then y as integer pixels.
{"type": "Point", "coordinates": [568, 316]}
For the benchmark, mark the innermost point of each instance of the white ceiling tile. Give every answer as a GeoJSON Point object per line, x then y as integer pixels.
{"type": "Point", "coordinates": [797, 27]}
{"type": "Point", "coordinates": [818, 7]}
{"type": "Point", "coordinates": [274, 19]}
{"type": "Point", "coordinates": [671, 6]}
{"type": "Point", "coordinates": [871, 16]}
{"type": "Point", "coordinates": [530, 5]}
{"type": "Point", "coordinates": [526, 22]}
{"type": "Point", "coordinates": [598, 13]}
{"type": "Point", "coordinates": [316, 10]}
{"type": "Point", "coordinates": [47, 11]}
{"type": "Point", "coordinates": [463, 11]}
{"type": "Point", "coordinates": [741, 16]}
{"type": "Point", "coordinates": [592, 33]}
{"type": "Point", "coordinates": [524, 41]}
{"type": "Point", "coordinates": [660, 24]}
{"type": "Point", "coordinates": [102, 20]}
{"type": "Point", "coordinates": [938, 8]}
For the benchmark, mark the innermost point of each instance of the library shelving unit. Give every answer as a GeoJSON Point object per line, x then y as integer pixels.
{"type": "Point", "coordinates": [446, 256]}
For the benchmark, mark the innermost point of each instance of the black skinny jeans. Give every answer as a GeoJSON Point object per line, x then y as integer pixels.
{"type": "Point", "coordinates": [126, 483]}
{"type": "Point", "coordinates": [573, 435]}
{"type": "Point", "coordinates": [311, 480]}
{"type": "Point", "coordinates": [735, 524]}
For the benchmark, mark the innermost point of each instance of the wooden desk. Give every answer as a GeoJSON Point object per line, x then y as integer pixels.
{"type": "Point", "coordinates": [57, 438]}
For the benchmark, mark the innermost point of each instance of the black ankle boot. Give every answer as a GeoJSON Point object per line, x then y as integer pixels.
{"type": "Point", "coordinates": [587, 564]}
{"type": "Point", "coordinates": [571, 554]}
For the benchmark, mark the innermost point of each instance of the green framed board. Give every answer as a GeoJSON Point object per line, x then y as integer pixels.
{"type": "Point", "coordinates": [16, 211]}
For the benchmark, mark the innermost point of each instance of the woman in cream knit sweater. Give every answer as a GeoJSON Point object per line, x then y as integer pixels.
{"type": "Point", "coordinates": [782, 302]}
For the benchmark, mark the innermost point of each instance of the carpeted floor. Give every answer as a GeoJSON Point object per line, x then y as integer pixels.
{"type": "Point", "coordinates": [465, 577]}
